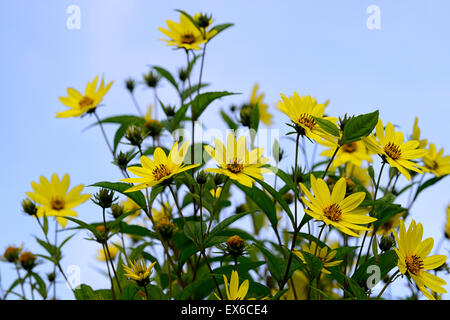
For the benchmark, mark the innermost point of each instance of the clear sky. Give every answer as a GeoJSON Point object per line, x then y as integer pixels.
{"type": "Point", "coordinates": [323, 48]}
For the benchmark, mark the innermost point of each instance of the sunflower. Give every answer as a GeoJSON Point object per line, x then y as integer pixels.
{"type": "Point", "coordinates": [390, 225]}
{"type": "Point", "coordinates": [301, 110]}
{"type": "Point", "coordinates": [389, 145]}
{"type": "Point", "coordinates": [113, 250]}
{"type": "Point", "coordinates": [183, 34]}
{"type": "Point", "coordinates": [257, 100]}
{"type": "Point", "coordinates": [447, 225]}
{"type": "Point", "coordinates": [236, 162]}
{"type": "Point", "coordinates": [235, 292]}
{"type": "Point", "coordinates": [161, 169]}
{"type": "Point", "coordinates": [360, 174]}
{"type": "Point", "coordinates": [164, 213]}
{"type": "Point", "coordinates": [336, 209]}
{"type": "Point", "coordinates": [80, 104]}
{"type": "Point", "coordinates": [413, 258]}
{"type": "Point", "coordinates": [130, 205]}
{"type": "Point", "coordinates": [352, 153]}
{"type": "Point", "coordinates": [322, 253]}
{"type": "Point", "coordinates": [139, 272]}
{"type": "Point", "coordinates": [55, 199]}
{"type": "Point", "coordinates": [435, 162]}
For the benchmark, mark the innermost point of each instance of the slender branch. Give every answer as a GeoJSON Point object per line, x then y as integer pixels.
{"type": "Point", "coordinates": [387, 284]}
{"type": "Point", "coordinates": [331, 161]}
{"type": "Point", "coordinates": [104, 133]}
{"type": "Point", "coordinates": [109, 254]}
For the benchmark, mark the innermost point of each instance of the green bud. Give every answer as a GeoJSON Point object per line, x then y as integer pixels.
{"type": "Point", "coordinates": [386, 243]}
{"type": "Point", "coordinates": [202, 177]}
{"type": "Point", "coordinates": [134, 135]}
{"type": "Point", "coordinates": [104, 198]}
{"type": "Point", "coordinates": [151, 79]}
{"type": "Point", "coordinates": [116, 210]}
{"type": "Point", "coordinates": [29, 207]}
{"type": "Point", "coordinates": [130, 84]}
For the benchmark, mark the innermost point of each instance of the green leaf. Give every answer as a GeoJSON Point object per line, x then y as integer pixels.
{"type": "Point", "coordinates": [120, 187]}
{"type": "Point", "coordinates": [137, 231]}
{"type": "Point", "coordinates": [86, 226]}
{"type": "Point", "coordinates": [187, 15]}
{"type": "Point", "coordinates": [314, 264]}
{"type": "Point", "coordinates": [167, 75]}
{"type": "Point", "coordinates": [41, 287]}
{"type": "Point", "coordinates": [119, 135]}
{"type": "Point", "coordinates": [203, 100]}
{"type": "Point", "coordinates": [194, 231]}
{"type": "Point", "coordinates": [358, 127]}
{"type": "Point", "coordinates": [386, 262]}
{"type": "Point", "coordinates": [221, 27]}
{"type": "Point", "coordinates": [278, 198]}
{"type": "Point", "coordinates": [190, 91]}
{"type": "Point", "coordinates": [427, 184]}
{"type": "Point", "coordinates": [84, 292]}
{"type": "Point", "coordinates": [180, 114]}
{"type": "Point", "coordinates": [231, 124]}
{"type": "Point", "coordinates": [276, 265]}
{"type": "Point", "coordinates": [254, 118]}
{"type": "Point", "coordinates": [130, 292]}
{"type": "Point", "coordinates": [45, 226]}
{"type": "Point", "coordinates": [262, 200]}
{"type": "Point", "coordinates": [328, 126]}
{"type": "Point", "coordinates": [222, 225]}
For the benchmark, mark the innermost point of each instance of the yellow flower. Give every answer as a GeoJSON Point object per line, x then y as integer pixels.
{"type": "Point", "coordinates": [257, 99]}
{"type": "Point", "coordinates": [80, 104]}
{"type": "Point", "coordinates": [301, 110]}
{"type": "Point", "coordinates": [413, 258]}
{"type": "Point", "coordinates": [139, 271]}
{"type": "Point", "coordinates": [236, 162]}
{"type": "Point", "coordinates": [322, 253]}
{"type": "Point", "coordinates": [360, 174]}
{"type": "Point", "coordinates": [447, 225]}
{"type": "Point", "coordinates": [389, 145]}
{"type": "Point", "coordinates": [235, 292]}
{"type": "Point", "coordinates": [216, 192]}
{"type": "Point", "coordinates": [336, 209]}
{"type": "Point", "coordinates": [435, 163]}
{"type": "Point", "coordinates": [164, 213]}
{"type": "Point", "coordinates": [416, 134]}
{"type": "Point", "coordinates": [183, 34]}
{"type": "Point", "coordinates": [128, 206]}
{"type": "Point", "coordinates": [56, 199]}
{"type": "Point", "coordinates": [351, 153]}
{"type": "Point", "coordinates": [160, 169]}
{"type": "Point", "coordinates": [113, 250]}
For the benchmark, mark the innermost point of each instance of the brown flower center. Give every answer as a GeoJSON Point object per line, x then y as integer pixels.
{"type": "Point", "coordinates": [414, 264]}
{"type": "Point", "coordinates": [235, 167]}
{"type": "Point", "coordinates": [392, 150]}
{"type": "Point", "coordinates": [350, 147]}
{"type": "Point", "coordinates": [85, 102]}
{"type": "Point", "coordinates": [57, 203]}
{"type": "Point", "coordinates": [307, 120]}
{"type": "Point", "coordinates": [187, 38]}
{"type": "Point", "coordinates": [333, 212]}
{"type": "Point", "coordinates": [160, 172]}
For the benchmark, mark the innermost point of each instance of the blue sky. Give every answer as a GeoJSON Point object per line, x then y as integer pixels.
{"type": "Point", "coordinates": [322, 48]}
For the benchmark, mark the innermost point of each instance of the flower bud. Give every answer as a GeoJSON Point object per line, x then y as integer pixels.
{"type": "Point", "coordinates": [51, 277]}
{"type": "Point", "coordinates": [153, 127]}
{"type": "Point", "coordinates": [12, 253]}
{"type": "Point", "coordinates": [104, 198]}
{"type": "Point", "coordinates": [117, 210]}
{"type": "Point", "coordinates": [183, 74]}
{"type": "Point", "coordinates": [288, 197]}
{"type": "Point", "coordinates": [130, 84]}
{"type": "Point", "coordinates": [235, 246]}
{"type": "Point", "coordinates": [134, 135]}
{"type": "Point", "coordinates": [386, 243]}
{"type": "Point", "coordinates": [203, 20]}
{"type": "Point", "coordinates": [29, 207]}
{"type": "Point", "coordinates": [27, 260]}
{"type": "Point", "coordinates": [151, 79]}
{"type": "Point", "coordinates": [170, 111]}
{"type": "Point", "coordinates": [202, 176]}
{"type": "Point", "coordinates": [245, 114]}
{"type": "Point", "coordinates": [165, 228]}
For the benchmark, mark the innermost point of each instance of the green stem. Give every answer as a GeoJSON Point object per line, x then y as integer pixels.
{"type": "Point", "coordinates": [20, 280]}
{"type": "Point", "coordinates": [108, 253]}
{"type": "Point", "coordinates": [331, 161]}
{"type": "Point", "coordinates": [104, 133]}
{"type": "Point", "coordinates": [371, 212]}
{"type": "Point", "coordinates": [387, 284]}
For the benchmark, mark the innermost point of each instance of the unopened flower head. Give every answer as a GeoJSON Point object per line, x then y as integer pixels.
{"type": "Point", "coordinates": [12, 253]}
{"type": "Point", "coordinates": [139, 272]}
{"type": "Point", "coordinates": [27, 260]}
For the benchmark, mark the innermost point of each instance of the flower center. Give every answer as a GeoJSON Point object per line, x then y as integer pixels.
{"type": "Point", "coordinates": [350, 147]}
{"type": "Point", "coordinates": [307, 120]}
{"type": "Point", "coordinates": [235, 167]}
{"type": "Point", "coordinates": [392, 150]}
{"type": "Point", "coordinates": [57, 204]}
{"type": "Point", "coordinates": [187, 38]}
{"type": "Point", "coordinates": [414, 264]}
{"type": "Point", "coordinates": [333, 212]}
{"type": "Point", "coordinates": [85, 102]}
{"type": "Point", "coordinates": [160, 172]}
